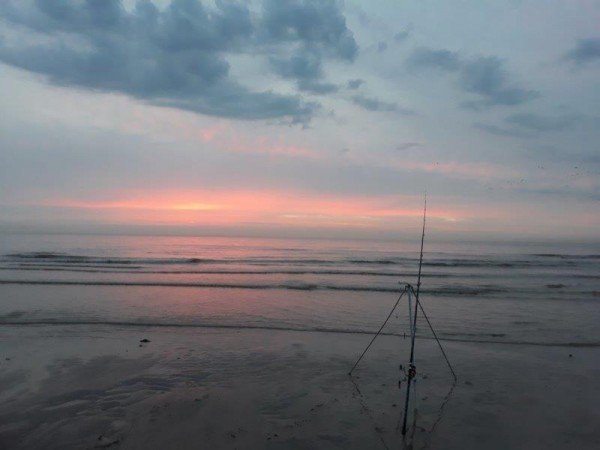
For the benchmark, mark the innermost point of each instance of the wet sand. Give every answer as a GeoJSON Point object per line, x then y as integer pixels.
{"type": "Point", "coordinates": [100, 387]}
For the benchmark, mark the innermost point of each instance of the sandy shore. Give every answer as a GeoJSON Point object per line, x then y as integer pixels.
{"type": "Point", "coordinates": [99, 387]}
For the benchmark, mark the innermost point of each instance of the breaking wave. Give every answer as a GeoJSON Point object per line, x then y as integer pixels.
{"type": "Point", "coordinates": [444, 291]}
{"type": "Point", "coordinates": [69, 260]}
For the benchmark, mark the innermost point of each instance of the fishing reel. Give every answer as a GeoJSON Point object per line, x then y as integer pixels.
{"type": "Point", "coordinates": [408, 375]}
{"type": "Point", "coordinates": [412, 372]}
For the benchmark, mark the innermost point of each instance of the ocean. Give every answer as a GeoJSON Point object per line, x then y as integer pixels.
{"type": "Point", "coordinates": [542, 294]}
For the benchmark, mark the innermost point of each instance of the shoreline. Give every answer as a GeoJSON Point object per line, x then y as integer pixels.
{"type": "Point", "coordinates": [441, 337]}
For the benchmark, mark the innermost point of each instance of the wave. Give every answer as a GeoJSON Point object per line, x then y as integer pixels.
{"type": "Point", "coordinates": [51, 265]}
{"type": "Point", "coordinates": [141, 270]}
{"type": "Point", "coordinates": [565, 256]}
{"type": "Point", "coordinates": [465, 263]}
{"type": "Point", "coordinates": [445, 291]}
{"type": "Point", "coordinates": [476, 338]}
{"type": "Point", "coordinates": [95, 269]}
{"type": "Point", "coordinates": [65, 259]}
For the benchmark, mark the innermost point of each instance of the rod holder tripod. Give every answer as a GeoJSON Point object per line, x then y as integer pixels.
{"type": "Point", "coordinates": [409, 291]}
{"type": "Point", "coordinates": [412, 314]}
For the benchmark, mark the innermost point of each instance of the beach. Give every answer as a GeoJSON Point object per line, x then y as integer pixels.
{"type": "Point", "coordinates": [153, 343]}
{"type": "Point", "coordinates": [99, 387]}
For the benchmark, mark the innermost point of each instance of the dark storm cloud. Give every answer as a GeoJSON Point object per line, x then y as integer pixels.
{"type": "Point", "coordinates": [585, 51]}
{"type": "Point", "coordinates": [537, 122]}
{"type": "Point", "coordinates": [484, 76]}
{"type": "Point", "coordinates": [176, 56]}
{"type": "Point", "coordinates": [374, 104]}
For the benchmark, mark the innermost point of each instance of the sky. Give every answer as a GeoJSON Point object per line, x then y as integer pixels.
{"type": "Point", "coordinates": [301, 118]}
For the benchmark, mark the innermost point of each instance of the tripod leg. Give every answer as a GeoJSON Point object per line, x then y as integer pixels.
{"type": "Point", "coordinates": [438, 341]}
{"type": "Point", "coordinates": [377, 334]}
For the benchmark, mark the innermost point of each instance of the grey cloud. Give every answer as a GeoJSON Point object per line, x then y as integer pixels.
{"type": "Point", "coordinates": [407, 145]}
{"type": "Point", "coordinates": [302, 65]}
{"type": "Point", "coordinates": [501, 131]}
{"type": "Point", "coordinates": [177, 55]}
{"type": "Point", "coordinates": [366, 20]}
{"type": "Point", "coordinates": [319, 24]}
{"type": "Point", "coordinates": [355, 84]}
{"type": "Point", "coordinates": [527, 125]}
{"type": "Point", "coordinates": [189, 25]}
{"type": "Point", "coordinates": [565, 191]}
{"type": "Point", "coordinates": [382, 46]}
{"type": "Point", "coordinates": [306, 68]}
{"type": "Point", "coordinates": [585, 51]}
{"type": "Point", "coordinates": [321, 29]}
{"type": "Point", "coordinates": [484, 76]}
{"type": "Point", "coordinates": [401, 36]}
{"type": "Point", "coordinates": [67, 16]}
{"type": "Point", "coordinates": [437, 59]}
{"type": "Point", "coordinates": [183, 25]}
{"type": "Point", "coordinates": [374, 104]}
{"type": "Point", "coordinates": [538, 122]}
{"type": "Point", "coordinates": [315, 87]}
{"type": "Point", "coordinates": [234, 101]}
{"type": "Point", "coordinates": [579, 158]}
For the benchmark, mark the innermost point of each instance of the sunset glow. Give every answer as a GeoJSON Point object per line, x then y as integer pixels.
{"type": "Point", "coordinates": [234, 208]}
{"type": "Point", "coordinates": [210, 118]}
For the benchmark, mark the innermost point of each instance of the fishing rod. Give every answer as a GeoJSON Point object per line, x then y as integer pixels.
{"type": "Point", "coordinates": [412, 370]}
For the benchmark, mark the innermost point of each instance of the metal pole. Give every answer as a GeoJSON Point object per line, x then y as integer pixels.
{"type": "Point", "coordinates": [412, 369]}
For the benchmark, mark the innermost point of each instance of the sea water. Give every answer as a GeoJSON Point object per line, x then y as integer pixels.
{"type": "Point", "coordinates": [542, 294]}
